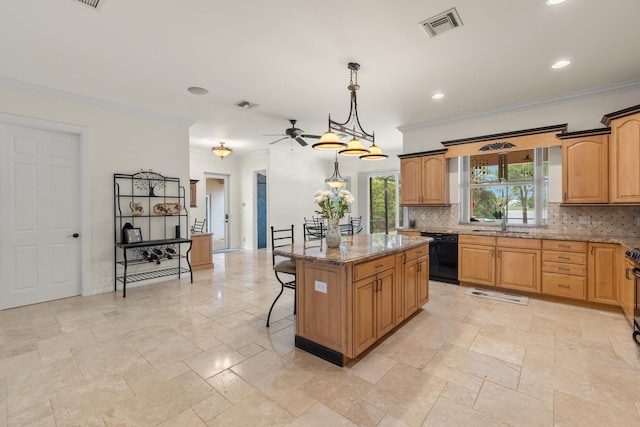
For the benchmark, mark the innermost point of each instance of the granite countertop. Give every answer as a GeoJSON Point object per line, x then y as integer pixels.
{"type": "Point", "coordinates": [629, 242]}
{"type": "Point", "coordinates": [360, 247]}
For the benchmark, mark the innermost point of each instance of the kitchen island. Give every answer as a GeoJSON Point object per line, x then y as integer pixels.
{"type": "Point", "coordinates": [349, 298]}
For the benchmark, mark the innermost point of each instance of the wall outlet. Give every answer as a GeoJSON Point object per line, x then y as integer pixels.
{"type": "Point", "coordinates": [320, 286]}
{"type": "Point", "coordinates": [584, 220]}
{"type": "Point", "coordinates": [244, 239]}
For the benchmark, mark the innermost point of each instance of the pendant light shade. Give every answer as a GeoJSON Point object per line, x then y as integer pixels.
{"type": "Point", "coordinates": [375, 153]}
{"type": "Point", "coordinates": [222, 151]}
{"type": "Point", "coordinates": [329, 141]}
{"type": "Point", "coordinates": [354, 148]}
{"type": "Point", "coordinates": [336, 181]}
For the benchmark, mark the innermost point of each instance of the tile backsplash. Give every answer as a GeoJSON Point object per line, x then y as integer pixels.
{"type": "Point", "coordinates": [604, 220]}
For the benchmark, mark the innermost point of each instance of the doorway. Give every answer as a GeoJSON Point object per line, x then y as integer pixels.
{"type": "Point", "coordinates": [261, 206]}
{"type": "Point", "coordinates": [41, 203]}
{"type": "Point", "coordinates": [217, 196]}
{"type": "Point", "coordinates": [384, 208]}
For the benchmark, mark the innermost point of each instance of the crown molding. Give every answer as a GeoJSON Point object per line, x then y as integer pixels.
{"type": "Point", "coordinates": [592, 93]}
{"type": "Point", "coordinates": [55, 93]}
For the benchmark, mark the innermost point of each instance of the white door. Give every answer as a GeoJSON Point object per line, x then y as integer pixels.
{"type": "Point", "coordinates": [39, 215]}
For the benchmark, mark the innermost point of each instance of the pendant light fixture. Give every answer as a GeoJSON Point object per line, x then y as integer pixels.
{"type": "Point", "coordinates": [351, 126]}
{"type": "Point", "coordinates": [222, 151]}
{"type": "Point", "coordinates": [336, 181]}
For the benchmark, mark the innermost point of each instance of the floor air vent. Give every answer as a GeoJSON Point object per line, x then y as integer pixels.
{"type": "Point", "coordinates": [92, 3]}
{"type": "Point", "coordinates": [442, 22]}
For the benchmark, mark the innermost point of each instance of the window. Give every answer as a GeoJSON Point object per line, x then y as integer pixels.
{"type": "Point", "coordinates": [512, 186]}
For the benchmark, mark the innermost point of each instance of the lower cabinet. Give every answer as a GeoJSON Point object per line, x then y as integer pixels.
{"type": "Point", "coordinates": [373, 304]}
{"type": "Point", "coordinates": [602, 263]}
{"type": "Point", "coordinates": [415, 282]}
{"type": "Point", "coordinates": [476, 259]}
{"type": "Point", "coordinates": [628, 290]}
{"type": "Point", "coordinates": [518, 264]}
{"type": "Point", "coordinates": [201, 251]}
{"type": "Point", "coordinates": [564, 268]}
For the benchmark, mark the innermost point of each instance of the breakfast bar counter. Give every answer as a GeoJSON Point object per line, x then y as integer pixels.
{"type": "Point", "coordinates": [348, 298]}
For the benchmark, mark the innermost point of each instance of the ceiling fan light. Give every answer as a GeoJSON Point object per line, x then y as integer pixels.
{"type": "Point", "coordinates": [354, 148]}
{"type": "Point", "coordinates": [222, 151]}
{"type": "Point", "coordinates": [329, 141]}
{"type": "Point", "coordinates": [375, 153]}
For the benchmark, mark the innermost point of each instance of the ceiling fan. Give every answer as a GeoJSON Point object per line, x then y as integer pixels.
{"type": "Point", "coordinates": [294, 133]}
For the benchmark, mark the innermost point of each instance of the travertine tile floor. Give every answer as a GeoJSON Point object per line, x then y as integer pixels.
{"type": "Point", "coordinates": [176, 354]}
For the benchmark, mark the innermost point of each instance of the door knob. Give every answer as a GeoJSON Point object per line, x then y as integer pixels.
{"type": "Point", "coordinates": [74, 235]}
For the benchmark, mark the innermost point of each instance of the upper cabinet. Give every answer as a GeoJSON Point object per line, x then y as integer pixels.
{"type": "Point", "coordinates": [425, 178]}
{"type": "Point", "coordinates": [585, 166]}
{"type": "Point", "coordinates": [624, 155]}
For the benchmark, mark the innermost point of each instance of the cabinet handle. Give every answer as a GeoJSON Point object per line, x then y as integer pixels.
{"type": "Point", "coordinates": [379, 265]}
{"type": "Point", "coordinates": [626, 273]}
{"type": "Point", "coordinates": [493, 253]}
{"type": "Point", "coordinates": [565, 197]}
{"type": "Point", "coordinates": [563, 269]}
{"type": "Point", "coordinates": [419, 268]}
{"type": "Point", "coordinates": [592, 248]}
{"type": "Point", "coordinates": [564, 246]}
{"type": "Point", "coordinates": [563, 257]}
{"type": "Point", "coordinates": [564, 286]}
{"type": "Point", "coordinates": [404, 258]}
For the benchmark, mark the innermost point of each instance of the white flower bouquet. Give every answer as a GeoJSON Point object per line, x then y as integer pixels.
{"type": "Point", "coordinates": [333, 204]}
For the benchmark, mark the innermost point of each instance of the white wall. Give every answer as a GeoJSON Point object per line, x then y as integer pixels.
{"type": "Point", "coordinates": [120, 141]}
{"type": "Point", "coordinates": [580, 112]}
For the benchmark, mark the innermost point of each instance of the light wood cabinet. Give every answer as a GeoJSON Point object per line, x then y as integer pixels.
{"type": "Point", "coordinates": [201, 251]}
{"type": "Point", "coordinates": [602, 283]}
{"type": "Point", "coordinates": [518, 264]}
{"type": "Point", "coordinates": [193, 194]}
{"type": "Point", "coordinates": [564, 268]}
{"type": "Point", "coordinates": [624, 155]}
{"type": "Point", "coordinates": [585, 167]}
{"type": "Point", "coordinates": [627, 288]}
{"type": "Point", "coordinates": [476, 260]}
{"type": "Point", "coordinates": [425, 179]}
{"type": "Point", "coordinates": [374, 303]}
{"type": "Point", "coordinates": [416, 285]}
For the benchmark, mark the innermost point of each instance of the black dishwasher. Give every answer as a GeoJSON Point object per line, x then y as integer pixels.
{"type": "Point", "coordinates": [443, 257]}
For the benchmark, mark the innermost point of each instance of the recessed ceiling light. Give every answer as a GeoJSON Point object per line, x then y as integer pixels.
{"type": "Point", "coordinates": [552, 2]}
{"type": "Point", "coordinates": [437, 95]}
{"type": "Point", "coordinates": [197, 90]}
{"type": "Point", "coordinates": [561, 63]}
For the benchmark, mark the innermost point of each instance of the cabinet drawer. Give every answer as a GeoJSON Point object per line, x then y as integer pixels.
{"type": "Point", "coordinates": [564, 268]}
{"type": "Point", "coordinates": [564, 285]}
{"type": "Point", "coordinates": [568, 257]}
{"type": "Point", "coordinates": [369, 268]}
{"type": "Point", "coordinates": [515, 242]}
{"type": "Point", "coordinates": [564, 246]}
{"type": "Point", "coordinates": [477, 240]}
{"type": "Point", "coordinates": [416, 253]}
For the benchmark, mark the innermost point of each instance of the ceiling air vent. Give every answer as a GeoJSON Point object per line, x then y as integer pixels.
{"type": "Point", "coordinates": [445, 21]}
{"type": "Point", "coordinates": [245, 104]}
{"type": "Point", "coordinates": [92, 3]}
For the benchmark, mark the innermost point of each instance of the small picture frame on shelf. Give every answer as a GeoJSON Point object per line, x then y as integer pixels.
{"type": "Point", "coordinates": [132, 235]}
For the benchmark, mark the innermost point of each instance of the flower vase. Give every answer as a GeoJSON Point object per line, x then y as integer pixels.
{"type": "Point", "coordinates": [333, 233]}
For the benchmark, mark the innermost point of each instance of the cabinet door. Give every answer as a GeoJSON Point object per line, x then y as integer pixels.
{"type": "Point", "coordinates": [434, 180]}
{"type": "Point", "coordinates": [585, 170]}
{"type": "Point", "coordinates": [201, 252]}
{"type": "Point", "coordinates": [628, 291]}
{"type": "Point", "coordinates": [476, 264]}
{"type": "Point", "coordinates": [411, 176]}
{"type": "Point", "coordinates": [364, 331]}
{"type": "Point", "coordinates": [602, 273]}
{"type": "Point", "coordinates": [519, 269]}
{"type": "Point", "coordinates": [624, 153]}
{"type": "Point", "coordinates": [411, 276]}
{"type": "Point", "coordinates": [385, 303]}
{"type": "Point", "coordinates": [423, 281]}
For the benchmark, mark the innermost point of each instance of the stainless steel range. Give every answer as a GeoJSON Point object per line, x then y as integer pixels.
{"type": "Point", "coordinates": [634, 255]}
